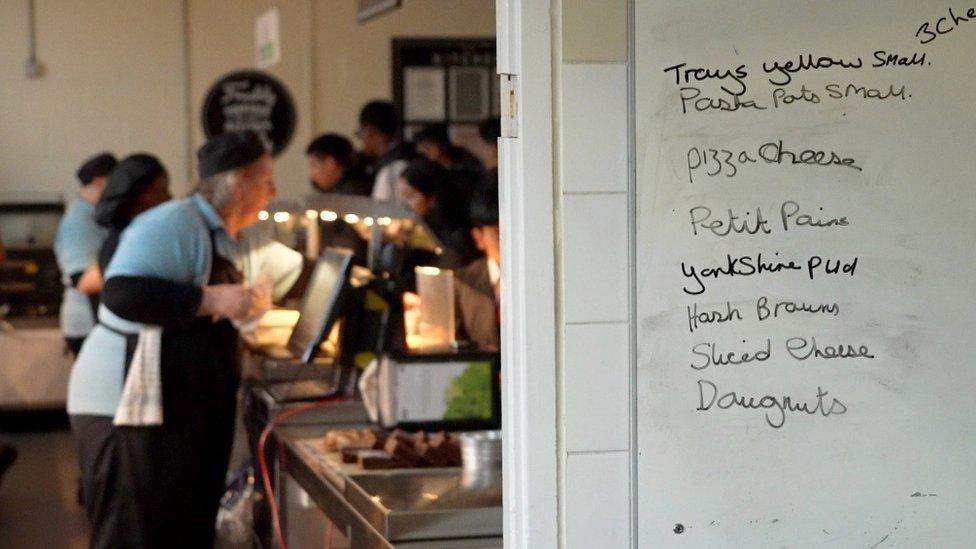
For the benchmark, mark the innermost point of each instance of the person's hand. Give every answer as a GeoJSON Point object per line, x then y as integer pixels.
{"type": "Point", "coordinates": [233, 301]}
{"type": "Point", "coordinates": [261, 290]}
{"type": "Point", "coordinates": [260, 302]}
{"type": "Point", "coordinates": [411, 301]}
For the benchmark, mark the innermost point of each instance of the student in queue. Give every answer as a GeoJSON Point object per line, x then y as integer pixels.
{"type": "Point", "coordinates": [76, 246]}
{"type": "Point", "coordinates": [332, 169]}
{"type": "Point", "coordinates": [478, 285]}
{"type": "Point", "coordinates": [333, 166]}
{"type": "Point", "coordinates": [138, 183]}
{"type": "Point", "coordinates": [465, 171]}
{"type": "Point", "coordinates": [152, 394]}
{"type": "Point", "coordinates": [434, 144]}
{"type": "Point", "coordinates": [427, 191]}
{"type": "Point", "coordinates": [379, 129]}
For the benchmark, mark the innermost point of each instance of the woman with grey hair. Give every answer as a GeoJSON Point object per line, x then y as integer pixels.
{"type": "Point", "coordinates": [152, 395]}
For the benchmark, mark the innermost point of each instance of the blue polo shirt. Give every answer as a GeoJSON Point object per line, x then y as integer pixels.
{"type": "Point", "coordinates": [173, 242]}
{"type": "Point", "coordinates": [76, 247]}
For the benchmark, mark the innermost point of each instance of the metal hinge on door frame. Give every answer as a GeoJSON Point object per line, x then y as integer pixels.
{"type": "Point", "coordinates": [509, 102]}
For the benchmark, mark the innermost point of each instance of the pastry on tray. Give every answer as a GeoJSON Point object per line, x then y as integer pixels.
{"type": "Point", "coordinates": [378, 449]}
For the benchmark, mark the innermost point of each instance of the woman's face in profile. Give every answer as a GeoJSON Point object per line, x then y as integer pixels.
{"type": "Point", "coordinates": [418, 202]}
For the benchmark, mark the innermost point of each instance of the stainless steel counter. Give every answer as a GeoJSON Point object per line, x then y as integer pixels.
{"type": "Point", "coordinates": [35, 365]}
{"type": "Point", "coordinates": [402, 508]}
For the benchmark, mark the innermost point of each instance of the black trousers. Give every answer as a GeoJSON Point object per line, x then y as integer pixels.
{"type": "Point", "coordinates": [150, 487]}
{"type": "Point", "coordinates": [160, 487]}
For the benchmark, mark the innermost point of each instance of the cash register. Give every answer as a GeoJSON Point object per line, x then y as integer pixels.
{"type": "Point", "coordinates": [430, 381]}
{"type": "Point", "coordinates": [309, 364]}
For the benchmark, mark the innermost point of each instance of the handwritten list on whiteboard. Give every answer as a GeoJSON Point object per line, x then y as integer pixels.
{"type": "Point", "coordinates": [806, 219]}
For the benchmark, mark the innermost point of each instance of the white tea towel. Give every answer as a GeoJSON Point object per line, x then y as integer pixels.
{"type": "Point", "coordinates": [142, 394]}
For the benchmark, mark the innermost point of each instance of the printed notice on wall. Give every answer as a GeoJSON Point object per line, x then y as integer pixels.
{"type": "Point", "coordinates": [267, 39]}
{"type": "Point", "coordinates": [806, 219]}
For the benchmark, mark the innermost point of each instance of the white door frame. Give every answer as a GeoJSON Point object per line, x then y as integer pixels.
{"type": "Point", "coordinates": [528, 209]}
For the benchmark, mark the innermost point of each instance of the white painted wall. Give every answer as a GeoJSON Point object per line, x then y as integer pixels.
{"type": "Point", "coordinates": [352, 61]}
{"type": "Point", "coordinates": [113, 80]}
{"type": "Point", "coordinates": [120, 72]}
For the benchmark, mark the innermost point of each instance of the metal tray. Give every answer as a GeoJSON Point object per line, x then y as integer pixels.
{"type": "Point", "coordinates": [415, 504]}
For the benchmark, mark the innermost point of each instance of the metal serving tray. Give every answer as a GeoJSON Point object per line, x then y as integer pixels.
{"type": "Point", "coordinates": [416, 504]}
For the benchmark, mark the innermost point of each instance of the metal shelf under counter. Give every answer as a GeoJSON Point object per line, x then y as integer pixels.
{"type": "Point", "coordinates": [398, 508]}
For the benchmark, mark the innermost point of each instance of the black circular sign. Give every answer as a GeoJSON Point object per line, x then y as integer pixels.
{"type": "Point", "coordinates": [251, 100]}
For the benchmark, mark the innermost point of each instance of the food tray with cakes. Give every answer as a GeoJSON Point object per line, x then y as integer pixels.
{"type": "Point", "coordinates": [403, 486]}
{"type": "Point", "coordinates": [343, 452]}
{"type": "Point", "coordinates": [371, 449]}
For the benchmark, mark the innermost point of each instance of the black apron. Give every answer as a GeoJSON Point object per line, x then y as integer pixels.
{"type": "Point", "coordinates": [161, 486]}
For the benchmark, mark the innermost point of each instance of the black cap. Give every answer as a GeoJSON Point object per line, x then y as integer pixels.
{"type": "Point", "coordinates": [126, 182]}
{"type": "Point", "coordinates": [228, 151]}
{"type": "Point", "coordinates": [99, 165]}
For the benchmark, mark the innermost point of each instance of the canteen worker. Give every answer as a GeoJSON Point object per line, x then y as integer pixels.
{"type": "Point", "coordinates": [76, 246]}
{"type": "Point", "coordinates": [138, 183]}
{"type": "Point", "coordinates": [478, 285]}
{"type": "Point", "coordinates": [152, 394]}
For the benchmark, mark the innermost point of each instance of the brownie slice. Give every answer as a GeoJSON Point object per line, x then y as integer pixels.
{"type": "Point", "coordinates": [402, 452]}
{"type": "Point", "coordinates": [375, 439]}
{"type": "Point", "coordinates": [350, 454]}
{"type": "Point", "coordinates": [376, 459]}
{"type": "Point", "coordinates": [447, 447]}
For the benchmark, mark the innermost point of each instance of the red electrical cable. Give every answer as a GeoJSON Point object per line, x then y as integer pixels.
{"type": "Point", "coordinates": [263, 460]}
{"type": "Point", "coordinates": [328, 534]}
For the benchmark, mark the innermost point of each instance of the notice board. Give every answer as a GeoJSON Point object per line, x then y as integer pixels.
{"type": "Point", "coordinates": [805, 263]}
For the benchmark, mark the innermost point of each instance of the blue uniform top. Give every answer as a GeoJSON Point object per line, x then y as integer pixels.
{"type": "Point", "coordinates": [173, 242]}
{"type": "Point", "coordinates": [76, 247]}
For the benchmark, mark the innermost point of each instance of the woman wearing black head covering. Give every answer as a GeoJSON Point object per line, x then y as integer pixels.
{"type": "Point", "coordinates": [427, 190]}
{"type": "Point", "coordinates": [154, 428]}
{"type": "Point", "coordinates": [138, 183]}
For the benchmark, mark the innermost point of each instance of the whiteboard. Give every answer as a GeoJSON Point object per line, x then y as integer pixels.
{"type": "Point", "coordinates": [847, 416]}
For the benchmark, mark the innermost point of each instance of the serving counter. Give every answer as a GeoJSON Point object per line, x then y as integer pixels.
{"type": "Point", "coordinates": [34, 365]}
{"type": "Point", "coordinates": [403, 508]}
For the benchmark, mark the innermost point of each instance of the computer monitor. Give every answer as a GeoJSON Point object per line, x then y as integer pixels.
{"type": "Point", "coordinates": [322, 304]}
